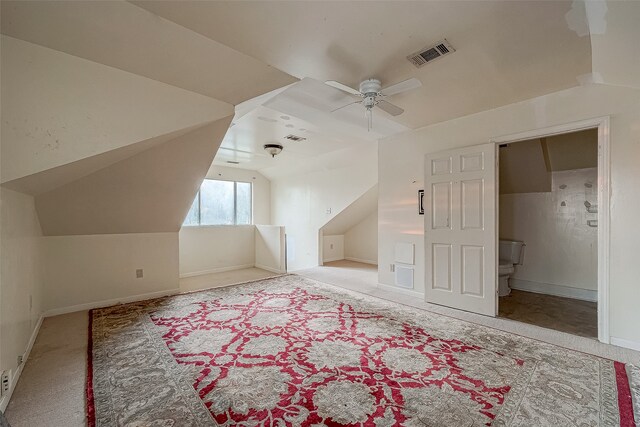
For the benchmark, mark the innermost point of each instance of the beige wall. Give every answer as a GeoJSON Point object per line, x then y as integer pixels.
{"type": "Point", "coordinates": [301, 202]}
{"type": "Point", "coordinates": [210, 249]}
{"type": "Point", "coordinates": [21, 276]}
{"type": "Point", "coordinates": [332, 247]}
{"type": "Point", "coordinates": [402, 157]}
{"type": "Point", "coordinates": [261, 189]}
{"type": "Point", "coordinates": [561, 249]}
{"type": "Point", "coordinates": [270, 250]}
{"type": "Point", "coordinates": [216, 248]}
{"type": "Point", "coordinates": [361, 240]}
{"type": "Point", "coordinates": [149, 192]}
{"type": "Point", "coordinates": [81, 271]}
{"type": "Point", "coordinates": [58, 108]}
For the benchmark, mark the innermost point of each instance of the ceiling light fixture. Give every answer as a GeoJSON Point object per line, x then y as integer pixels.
{"type": "Point", "coordinates": [273, 149]}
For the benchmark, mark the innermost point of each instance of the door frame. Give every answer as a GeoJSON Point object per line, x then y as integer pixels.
{"type": "Point", "coordinates": [604, 184]}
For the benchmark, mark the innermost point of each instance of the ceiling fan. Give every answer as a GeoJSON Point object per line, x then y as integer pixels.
{"type": "Point", "coordinates": [373, 95]}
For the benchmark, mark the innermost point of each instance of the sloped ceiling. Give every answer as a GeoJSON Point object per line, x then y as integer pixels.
{"type": "Point", "coordinates": [614, 31]}
{"type": "Point", "coordinates": [353, 214]}
{"type": "Point", "coordinates": [576, 150]}
{"type": "Point", "coordinates": [149, 192]}
{"type": "Point", "coordinates": [303, 109]}
{"type": "Point", "coordinates": [124, 36]}
{"type": "Point", "coordinates": [507, 51]}
{"type": "Point", "coordinates": [58, 109]}
{"type": "Point", "coordinates": [523, 168]}
{"type": "Point", "coordinates": [526, 166]}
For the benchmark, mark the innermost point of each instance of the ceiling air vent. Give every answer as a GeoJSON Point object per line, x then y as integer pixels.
{"type": "Point", "coordinates": [295, 138]}
{"type": "Point", "coordinates": [233, 162]}
{"type": "Point", "coordinates": [431, 53]}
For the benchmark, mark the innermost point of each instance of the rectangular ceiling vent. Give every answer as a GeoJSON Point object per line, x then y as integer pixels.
{"type": "Point", "coordinates": [233, 162]}
{"type": "Point", "coordinates": [295, 138]}
{"type": "Point", "coordinates": [431, 53]}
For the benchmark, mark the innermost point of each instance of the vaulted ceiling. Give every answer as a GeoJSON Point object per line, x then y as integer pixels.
{"type": "Point", "coordinates": [506, 51]}
{"type": "Point", "coordinates": [89, 85]}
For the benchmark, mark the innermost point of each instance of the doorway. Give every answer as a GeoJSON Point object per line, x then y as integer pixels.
{"type": "Point", "coordinates": [552, 206]}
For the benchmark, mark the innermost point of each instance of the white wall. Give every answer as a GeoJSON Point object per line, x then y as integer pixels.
{"type": "Point", "coordinates": [270, 248]}
{"type": "Point", "coordinates": [401, 162]}
{"type": "Point", "coordinates": [261, 189]}
{"type": "Point", "coordinates": [83, 270]}
{"type": "Point", "coordinates": [332, 248]}
{"type": "Point", "coordinates": [21, 286]}
{"type": "Point", "coordinates": [216, 248]}
{"type": "Point", "coordinates": [561, 249]}
{"type": "Point", "coordinates": [301, 202]}
{"type": "Point", "coordinates": [361, 240]}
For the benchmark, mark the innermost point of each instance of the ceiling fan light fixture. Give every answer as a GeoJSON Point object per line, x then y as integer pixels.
{"type": "Point", "coordinates": [273, 149]}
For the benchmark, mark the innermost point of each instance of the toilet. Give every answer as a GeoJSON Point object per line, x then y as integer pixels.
{"type": "Point", "coordinates": [510, 254]}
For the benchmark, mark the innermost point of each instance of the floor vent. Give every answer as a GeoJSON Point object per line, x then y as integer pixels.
{"type": "Point", "coordinates": [430, 53]}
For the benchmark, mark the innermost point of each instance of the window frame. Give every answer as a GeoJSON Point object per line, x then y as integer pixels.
{"type": "Point", "coordinates": [235, 205]}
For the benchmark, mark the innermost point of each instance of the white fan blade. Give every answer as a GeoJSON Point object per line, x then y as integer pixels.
{"type": "Point", "coordinates": [401, 87]}
{"type": "Point", "coordinates": [343, 87]}
{"type": "Point", "coordinates": [394, 110]}
{"type": "Point", "coordinates": [344, 106]}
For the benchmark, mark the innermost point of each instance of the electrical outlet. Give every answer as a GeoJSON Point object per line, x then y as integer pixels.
{"type": "Point", "coordinates": [392, 267]}
{"type": "Point", "coordinates": [20, 359]}
{"type": "Point", "coordinates": [5, 382]}
{"type": "Point", "coordinates": [328, 211]}
{"type": "Point", "coordinates": [139, 273]}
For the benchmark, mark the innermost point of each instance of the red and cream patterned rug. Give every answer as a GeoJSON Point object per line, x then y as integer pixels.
{"type": "Point", "coordinates": [289, 351]}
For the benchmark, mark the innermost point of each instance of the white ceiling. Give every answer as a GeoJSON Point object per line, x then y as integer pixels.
{"type": "Point", "coordinates": [303, 109]}
{"type": "Point", "coordinates": [124, 36]}
{"type": "Point", "coordinates": [507, 51]}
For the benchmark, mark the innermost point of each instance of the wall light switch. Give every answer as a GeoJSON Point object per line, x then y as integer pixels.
{"type": "Point", "coordinates": [139, 273]}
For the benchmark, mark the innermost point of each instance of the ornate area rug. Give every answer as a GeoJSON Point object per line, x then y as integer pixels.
{"type": "Point", "coordinates": [290, 351]}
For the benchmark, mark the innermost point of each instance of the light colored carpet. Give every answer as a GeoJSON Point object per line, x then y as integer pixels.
{"type": "Point", "coordinates": [224, 278]}
{"type": "Point", "coordinates": [363, 278]}
{"type": "Point", "coordinates": [289, 350]}
{"type": "Point", "coordinates": [62, 403]}
{"type": "Point", "coordinates": [51, 389]}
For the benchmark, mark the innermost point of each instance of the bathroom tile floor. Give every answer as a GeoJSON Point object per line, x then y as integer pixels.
{"type": "Point", "coordinates": [562, 314]}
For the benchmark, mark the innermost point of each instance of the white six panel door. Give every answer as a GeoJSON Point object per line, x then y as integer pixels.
{"type": "Point", "coordinates": [460, 229]}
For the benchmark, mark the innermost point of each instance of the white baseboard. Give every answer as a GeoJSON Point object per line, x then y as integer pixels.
{"type": "Point", "coordinates": [271, 269]}
{"type": "Point", "coordinates": [109, 302]}
{"type": "Point", "coordinates": [25, 356]}
{"type": "Point", "coordinates": [333, 259]}
{"type": "Point", "coordinates": [400, 290]}
{"type": "Point", "coordinates": [216, 270]}
{"type": "Point", "coordinates": [364, 261]}
{"type": "Point", "coordinates": [556, 290]}
{"type": "Point", "coordinates": [625, 343]}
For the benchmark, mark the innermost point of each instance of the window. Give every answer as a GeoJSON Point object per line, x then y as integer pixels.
{"type": "Point", "coordinates": [221, 203]}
